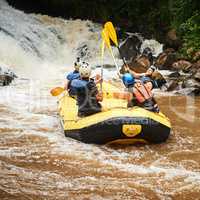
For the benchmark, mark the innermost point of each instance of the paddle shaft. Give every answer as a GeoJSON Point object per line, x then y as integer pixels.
{"type": "Point", "coordinates": [113, 36]}
{"type": "Point", "coordinates": [121, 56]}
{"type": "Point", "coordinates": [101, 83]}
{"type": "Point", "coordinates": [114, 59]}
{"type": "Point", "coordinates": [102, 60]}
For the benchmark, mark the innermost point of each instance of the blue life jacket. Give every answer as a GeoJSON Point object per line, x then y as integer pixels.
{"type": "Point", "coordinates": [78, 84]}
{"type": "Point", "coordinates": [72, 76]}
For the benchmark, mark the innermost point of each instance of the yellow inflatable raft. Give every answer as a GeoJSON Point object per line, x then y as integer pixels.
{"type": "Point", "coordinates": [115, 124]}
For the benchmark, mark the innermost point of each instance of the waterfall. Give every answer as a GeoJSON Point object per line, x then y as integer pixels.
{"type": "Point", "coordinates": [33, 44]}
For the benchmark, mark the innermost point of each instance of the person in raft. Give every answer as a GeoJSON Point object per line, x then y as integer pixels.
{"type": "Point", "coordinates": [87, 94]}
{"type": "Point", "coordinates": [146, 77]}
{"type": "Point", "coordinates": [141, 94]}
{"type": "Point", "coordinates": [71, 76]}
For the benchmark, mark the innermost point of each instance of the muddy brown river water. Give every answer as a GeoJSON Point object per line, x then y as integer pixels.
{"type": "Point", "coordinates": [38, 162]}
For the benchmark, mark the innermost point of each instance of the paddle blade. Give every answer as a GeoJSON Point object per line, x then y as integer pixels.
{"type": "Point", "coordinates": [57, 91]}
{"type": "Point", "coordinates": [107, 42]}
{"type": "Point", "coordinates": [111, 32]}
{"type": "Point", "coordinates": [105, 38]}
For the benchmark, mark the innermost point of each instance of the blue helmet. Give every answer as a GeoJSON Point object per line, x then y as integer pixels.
{"type": "Point", "coordinates": [128, 79]}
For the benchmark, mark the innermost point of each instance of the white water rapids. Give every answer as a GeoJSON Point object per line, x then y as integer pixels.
{"type": "Point", "coordinates": [38, 162]}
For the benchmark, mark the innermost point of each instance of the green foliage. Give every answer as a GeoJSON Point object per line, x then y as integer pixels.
{"type": "Point", "coordinates": [184, 16]}
{"type": "Point", "coordinates": [190, 32]}
{"type": "Point", "coordinates": [153, 18]}
{"type": "Point", "coordinates": [180, 11]}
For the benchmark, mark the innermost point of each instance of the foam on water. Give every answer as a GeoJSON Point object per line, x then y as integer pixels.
{"type": "Point", "coordinates": [154, 45]}
{"type": "Point", "coordinates": [41, 49]}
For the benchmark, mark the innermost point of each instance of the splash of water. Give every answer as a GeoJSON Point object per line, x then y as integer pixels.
{"type": "Point", "coordinates": [154, 45]}
{"type": "Point", "coordinates": [43, 44]}
{"type": "Point", "coordinates": [36, 159]}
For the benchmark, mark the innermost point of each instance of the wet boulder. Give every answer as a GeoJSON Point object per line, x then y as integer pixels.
{"type": "Point", "coordinates": [6, 76]}
{"type": "Point", "coordinates": [174, 75]}
{"type": "Point", "coordinates": [197, 75]}
{"type": "Point", "coordinates": [130, 48]}
{"type": "Point", "coordinates": [195, 67]}
{"type": "Point", "coordinates": [172, 39]}
{"type": "Point", "coordinates": [185, 84]}
{"type": "Point", "coordinates": [165, 60]}
{"type": "Point", "coordinates": [140, 64]}
{"type": "Point", "coordinates": [173, 85]}
{"type": "Point", "coordinates": [183, 65]}
{"type": "Point", "coordinates": [192, 87]}
{"type": "Point", "coordinates": [190, 83]}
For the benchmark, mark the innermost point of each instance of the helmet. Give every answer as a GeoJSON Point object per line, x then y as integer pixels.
{"type": "Point", "coordinates": [77, 64]}
{"type": "Point", "coordinates": [128, 79]}
{"type": "Point", "coordinates": [85, 70]}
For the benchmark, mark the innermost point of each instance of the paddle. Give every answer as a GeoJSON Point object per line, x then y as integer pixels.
{"type": "Point", "coordinates": [102, 55]}
{"type": "Point", "coordinates": [116, 95]}
{"type": "Point", "coordinates": [57, 91]}
{"type": "Point", "coordinates": [106, 39]}
{"type": "Point", "coordinates": [113, 36]}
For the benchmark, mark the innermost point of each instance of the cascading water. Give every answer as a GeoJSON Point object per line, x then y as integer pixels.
{"type": "Point", "coordinates": [154, 45]}
{"type": "Point", "coordinates": [41, 49]}
{"type": "Point", "coordinates": [38, 162]}
{"type": "Point", "coordinates": [41, 42]}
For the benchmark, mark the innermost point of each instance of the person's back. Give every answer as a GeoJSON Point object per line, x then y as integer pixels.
{"type": "Point", "coordinates": [72, 76]}
{"type": "Point", "coordinates": [148, 77]}
{"type": "Point", "coordinates": [86, 93]}
{"type": "Point", "coordinates": [143, 97]}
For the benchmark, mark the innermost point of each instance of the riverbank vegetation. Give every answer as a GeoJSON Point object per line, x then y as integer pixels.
{"type": "Point", "coordinates": [152, 18]}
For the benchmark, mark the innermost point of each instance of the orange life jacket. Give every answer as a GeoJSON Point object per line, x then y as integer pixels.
{"type": "Point", "coordinates": [141, 92]}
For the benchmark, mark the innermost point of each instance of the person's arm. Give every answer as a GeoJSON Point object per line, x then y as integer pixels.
{"type": "Point", "coordinates": [98, 94]}
{"type": "Point", "coordinates": [67, 81]}
{"type": "Point", "coordinates": [66, 84]}
{"type": "Point", "coordinates": [98, 79]}
{"type": "Point", "coordinates": [148, 73]}
{"type": "Point", "coordinates": [135, 74]}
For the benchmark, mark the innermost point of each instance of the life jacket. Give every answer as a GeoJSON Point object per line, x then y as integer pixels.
{"type": "Point", "coordinates": [143, 97]}
{"type": "Point", "coordinates": [70, 77]}
{"type": "Point", "coordinates": [141, 92]}
{"type": "Point", "coordinates": [86, 92]}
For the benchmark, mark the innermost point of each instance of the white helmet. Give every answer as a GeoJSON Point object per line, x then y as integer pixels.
{"type": "Point", "coordinates": [85, 70]}
{"type": "Point", "coordinates": [77, 64]}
